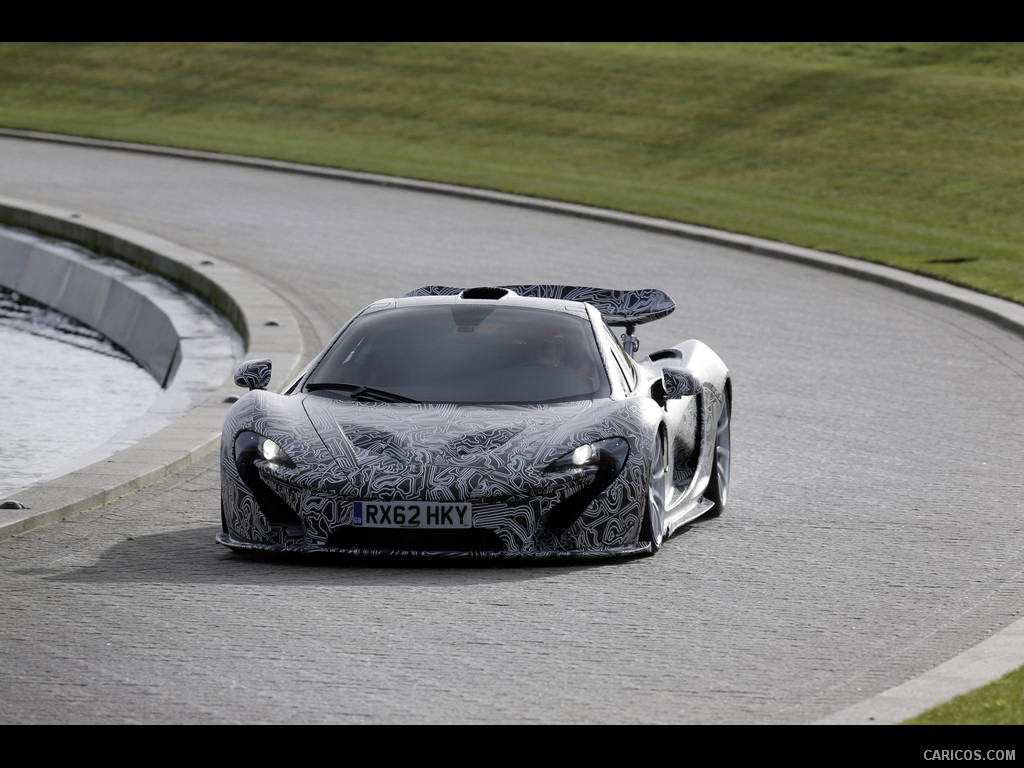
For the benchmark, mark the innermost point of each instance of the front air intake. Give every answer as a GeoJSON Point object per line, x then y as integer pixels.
{"type": "Point", "coordinates": [484, 293]}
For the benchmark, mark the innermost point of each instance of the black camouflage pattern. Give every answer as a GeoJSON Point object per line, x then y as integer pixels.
{"type": "Point", "coordinates": [497, 458]}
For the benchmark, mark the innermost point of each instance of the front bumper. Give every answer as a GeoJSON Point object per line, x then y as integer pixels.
{"type": "Point", "coordinates": [563, 518]}
{"type": "Point", "coordinates": [305, 550]}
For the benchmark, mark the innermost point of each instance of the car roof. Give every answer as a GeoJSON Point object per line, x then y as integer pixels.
{"type": "Point", "coordinates": [616, 307]}
{"type": "Point", "coordinates": [506, 299]}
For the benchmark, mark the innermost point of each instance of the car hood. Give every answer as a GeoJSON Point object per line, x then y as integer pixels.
{"type": "Point", "coordinates": [357, 434]}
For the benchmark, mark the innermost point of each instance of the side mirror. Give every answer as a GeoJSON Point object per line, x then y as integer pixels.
{"type": "Point", "coordinates": [253, 374]}
{"type": "Point", "coordinates": [679, 383]}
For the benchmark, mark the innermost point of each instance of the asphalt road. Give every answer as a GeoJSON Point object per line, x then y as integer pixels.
{"type": "Point", "coordinates": [875, 527]}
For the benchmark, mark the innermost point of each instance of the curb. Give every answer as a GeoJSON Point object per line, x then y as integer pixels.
{"type": "Point", "coordinates": [1006, 314]}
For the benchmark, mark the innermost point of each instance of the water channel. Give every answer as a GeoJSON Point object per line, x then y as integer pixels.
{"type": "Point", "coordinates": [65, 390]}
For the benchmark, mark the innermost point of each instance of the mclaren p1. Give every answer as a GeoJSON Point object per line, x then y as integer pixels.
{"type": "Point", "coordinates": [495, 422]}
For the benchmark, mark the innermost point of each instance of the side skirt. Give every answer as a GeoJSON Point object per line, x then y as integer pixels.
{"type": "Point", "coordinates": [686, 512]}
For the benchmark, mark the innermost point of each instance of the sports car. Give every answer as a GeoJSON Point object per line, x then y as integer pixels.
{"type": "Point", "coordinates": [495, 422]}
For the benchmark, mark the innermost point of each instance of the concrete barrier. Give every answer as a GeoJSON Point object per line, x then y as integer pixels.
{"type": "Point", "coordinates": [111, 288]}
{"type": "Point", "coordinates": [110, 299]}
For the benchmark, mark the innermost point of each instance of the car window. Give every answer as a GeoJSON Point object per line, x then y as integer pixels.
{"type": "Point", "coordinates": [468, 353]}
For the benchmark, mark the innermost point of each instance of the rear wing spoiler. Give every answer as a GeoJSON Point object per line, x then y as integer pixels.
{"type": "Point", "coordinates": [619, 308]}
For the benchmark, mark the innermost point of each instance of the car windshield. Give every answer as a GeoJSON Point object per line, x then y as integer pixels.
{"type": "Point", "coordinates": [465, 353]}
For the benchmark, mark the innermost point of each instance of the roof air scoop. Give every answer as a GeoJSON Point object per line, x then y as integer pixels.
{"type": "Point", "coordinates": [484, 293]}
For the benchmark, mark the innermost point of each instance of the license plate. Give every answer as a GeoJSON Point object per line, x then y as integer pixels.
{"type": "Point", "coordinates": [411, 514]}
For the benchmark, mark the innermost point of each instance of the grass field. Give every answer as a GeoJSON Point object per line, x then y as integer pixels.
{"type": "Point", "coordinates": [910, 154]}
{"type": "Point", "coordinates": [998, 703]}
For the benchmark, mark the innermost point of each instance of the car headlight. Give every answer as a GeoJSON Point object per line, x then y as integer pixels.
{"type": "Point", "coordinates": [600, 462]}
{"type": "Point", "coordinates": [605, 455]}
{"type": "Point", "coordinates": [250, 446]}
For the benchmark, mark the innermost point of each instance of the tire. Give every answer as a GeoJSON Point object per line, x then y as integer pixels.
{"type": "Point", "coordinates": [654, 518]}
{"type": "Point", "coordinates": [718, 485]}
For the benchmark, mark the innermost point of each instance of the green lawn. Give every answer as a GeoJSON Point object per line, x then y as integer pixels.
{"type": "Point", "coordinates": [906, 153]}
{"type": "Point", "coordinates": [998, 703]}
{"type": "Point", "coordinates": [911, 154]}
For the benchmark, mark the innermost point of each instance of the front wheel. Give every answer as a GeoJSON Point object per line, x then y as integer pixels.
{"type": "Point", "coordinates": [654, 519]}
{"type": "Point", "coordinates": [718, 486]}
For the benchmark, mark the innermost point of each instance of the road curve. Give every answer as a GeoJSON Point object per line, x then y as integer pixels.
{"type": "Point", "coordinates": [875, 528]}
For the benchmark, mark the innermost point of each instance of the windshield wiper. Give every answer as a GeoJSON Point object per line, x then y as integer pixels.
{"type": "Point", "coordinates": [361, 393]}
